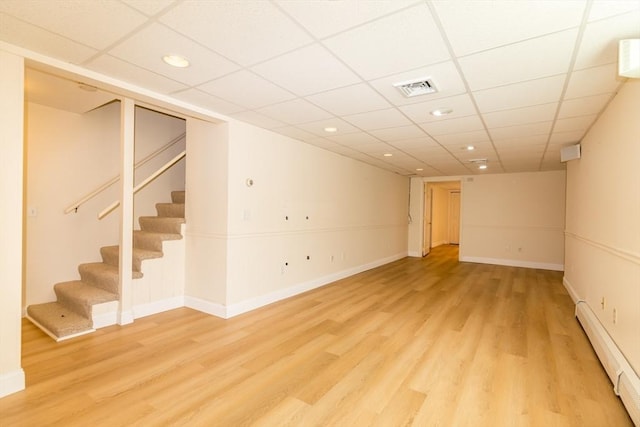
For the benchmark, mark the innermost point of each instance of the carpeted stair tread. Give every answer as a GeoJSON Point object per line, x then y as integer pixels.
{"type": "Point", "coordinates": [151, 240]}
{"type": "Point", "coordinates": [111, 256]}
{"type": "Point", "coordinates": [178, 196]}
{"type": "Point", "coordinates": [104, 276]}
{"type": "Point", "coordinates": [161, 224]}
{"type": "Point", "coordinates": [59, 320]}
{"type": "Point", "coordinates": [80, 296]}
{"type": "Point", "coordinates": [173, 210]}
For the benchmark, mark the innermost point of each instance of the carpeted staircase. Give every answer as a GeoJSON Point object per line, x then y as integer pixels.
{"type": "Point", "coordinates": [71, 314]}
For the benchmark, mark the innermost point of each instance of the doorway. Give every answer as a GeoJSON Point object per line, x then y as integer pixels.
{"type": "Point", "coordinates": [441, 220]}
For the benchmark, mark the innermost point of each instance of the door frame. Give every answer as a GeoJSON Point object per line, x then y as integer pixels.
{"type": "Point", "coordinates": [427, 183]}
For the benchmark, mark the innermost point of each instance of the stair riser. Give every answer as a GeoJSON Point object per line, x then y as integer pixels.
{"type": "Point", "coordinates": [112, 257]}
{"type": "Point", "coordinates": [146, 241]}
{"type": "Point", "coordinates": [72, 303]}
{"type": "Point", "coordinates": [171, 210]}
{"type": "Point", "coordinates": [178, 196]}
{"type": "Point", "coordinates": [103, 280]}
{"type": "Point", "coordinates": [161, 224]}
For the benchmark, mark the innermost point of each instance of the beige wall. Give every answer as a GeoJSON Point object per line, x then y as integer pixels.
{"type": "Point", "coordinates": [440, 217]}
{"type": "Point", "coordinates": [514, 219]}
{"type": "Point", "coordinates": [11, 190]}
{"type": "Point", "coordinates": [344, 215]}
{"type": "Point", "coordinates": [69, 155]}
{"type": "Point", "coordinates": [603, 221]}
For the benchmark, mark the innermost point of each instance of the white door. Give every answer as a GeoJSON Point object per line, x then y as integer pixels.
{"type": "Point", "coordinates": [428, 205]}
{"type": "Point", "coordinates": [454, 217]}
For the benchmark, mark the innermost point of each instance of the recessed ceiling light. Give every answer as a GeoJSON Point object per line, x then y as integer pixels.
{"type": "Point", "coordinates": [441, 112]}
{"type": "Point", "coordinates": [176, 61]}
{"type": "Point", "coordinates": [331, 129]}
{"type": "Point", "coordinates": [470, 148]}
{"type": "Point", "coordinates": [483, 166]}
{"type": "Point", "coordinates": [419, 169]}
{"type": "Point", "coordinates": [388, 155]}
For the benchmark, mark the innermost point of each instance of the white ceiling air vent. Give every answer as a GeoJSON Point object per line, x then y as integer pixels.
{"type": "Point", "coordinates": [416, 87]}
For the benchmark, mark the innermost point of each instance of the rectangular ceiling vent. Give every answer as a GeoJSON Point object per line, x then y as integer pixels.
{"type": "Point", "coordinates": [416, 87]}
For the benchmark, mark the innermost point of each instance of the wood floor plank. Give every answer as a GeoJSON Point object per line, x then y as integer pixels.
{"type": "Point", "coordinates": [420, 341]}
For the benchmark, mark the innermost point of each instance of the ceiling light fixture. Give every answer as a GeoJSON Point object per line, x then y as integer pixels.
{"type": "Point", "coordinates": [482, 166]}
{"type": "Point", "coordinates": [419, 169]}
{"type": "Point", "coordinates": [331, 129]}
{"type": "Point", "coordinates": [482, 163]}
{"type": "Point", "coordinates": [441, 112]}
{"type": "Point", "coordinates": [176, 61]}
{"type": "Point", "coordinates": [388, 155]}
{"type": "Point", "coordinates": [470, 148]}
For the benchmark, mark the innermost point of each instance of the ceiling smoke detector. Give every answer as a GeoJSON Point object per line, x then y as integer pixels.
{"type": "Point", "coordinates": [416, 87]}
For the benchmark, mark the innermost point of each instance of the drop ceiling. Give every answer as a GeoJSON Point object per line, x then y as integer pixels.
{"type": "Point", "coordinates": [522, 78]}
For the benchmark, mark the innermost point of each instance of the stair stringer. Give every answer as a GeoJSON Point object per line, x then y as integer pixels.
{"type": "Point", "coordinates": [160, 289]}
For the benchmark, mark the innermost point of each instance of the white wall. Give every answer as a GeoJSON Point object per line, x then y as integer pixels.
{"type": "Point", "coordinates": [68, 156]}
{"type": "Point", "coordinates": [603, 221]}
{"type": "Point", "coordinates": [11, 246]}
{"type": "Point", "coordinates": [344, 215]}
{"type": "Point", "coordinates": [514, 219]}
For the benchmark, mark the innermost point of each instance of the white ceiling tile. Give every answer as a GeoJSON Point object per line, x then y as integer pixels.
{"type": "Point", "coordinates": [318, 128]}
{"type": "Point", "coordinates": [533, 92]}
{"type": "Point", "coordinates": [124, 71]}
{"type": "Point", "coordinates": [605, 8]}
{"type": "Point", "coordinates": [322, 143]}
{"type": "Point", "coordinates": [445, 77]}
{"type": "Point", "coordinates": [354, 138]}
{"type": "Point", "coordinates": [246, 89]}
{"type": "Point", "coordinates": [142, 49]}
{"type": "Point", "coordinates": [149, 7]}
{"type": "Point", "coordinates": [583, 106]}
{"type": "Point", "coordinates": [522, 142]}
{"type": "Point", "coordinates": [594, 81]}
{"type": "Point", "coordinates": [479, 25]}
{"type": "Point", "coordinates": [296, 133]}
{"type": "Point", "coordinates": [307, 70]}
{"type": "Point", "coordinates": [580, 123]}
{"type": "Point", "coordinates": [204, 100]}
{"type": "Point", "coordinates": [527, 60]}
{"type": "Point", "coordinates": [465, 138]}
{"type": "Point", "coordinates": [326, 18]}
{"type": "Point", "coordinates": [416, 144]}
{"type": "Point", "coordinates": [520, 116]}
{"type": "Point", "coordinates": [420, 113]}
{"type": "Point", "coordinates": [398, 133]}
{"type": "Point", "coordinates": [354, 99]}
{"type": "Point", "coordinates": [538, 130]}
{"type": "Point", "coordinates": [78, 19]}
{"type": "Point", "coordinates": [392, 44]}
{"type": "Point", "coordinates": [599, 44]}
{"type": "Point", "coordinates": [294, 112]}
{"type": "Point", "coordinates": [378, 119]}
{"type": "Point", "coordinates": [258, 119]}
{"type": "Point", "coordinates": [566, 137]}
{"type": "Point", "coordinates": [246, 31]}
{"type": "Point", "coordinates": [462, 124]}
{"type": "Point", "coordinates": [31, 37]}
{"type": "Point", "coordinates": [375, 148]}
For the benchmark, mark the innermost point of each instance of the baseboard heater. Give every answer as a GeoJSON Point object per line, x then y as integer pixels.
{"type": "Point", "coordinates": [626, 382]}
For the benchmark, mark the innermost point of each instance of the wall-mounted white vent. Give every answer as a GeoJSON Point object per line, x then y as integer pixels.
{"type": "Point", "coordinates": [416, 87]}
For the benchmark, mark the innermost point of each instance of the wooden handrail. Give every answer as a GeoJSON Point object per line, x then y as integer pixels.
{"type": "Point", "coordinates": [74, 207]}
{"type": "Point", "coordinates": [140, 186]}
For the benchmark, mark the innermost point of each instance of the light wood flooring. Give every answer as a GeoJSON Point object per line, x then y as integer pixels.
{"type": "Point", "coordinates": [422, 342]}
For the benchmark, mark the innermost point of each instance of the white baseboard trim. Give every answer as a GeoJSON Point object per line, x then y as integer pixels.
{"type": "Point", "coordinates": [205, 306]}
{"type": "Point", "coordinates": [245, 306]}
{"type": "Point", "coordinates": [11, 382]}
{"type": "Point", "coordinates": [105, 319]}
{"type": "Point", "coordinates": [570, 289]}
{"type": "Point", "coordinates": [626, 382]}
{"type": "Point", "coordinates": [155, 307]}
{"type": "Point", "coordinates": [440, 243]}
{"type": "Point", "coordinates": [415, 254]}
{"type": "Point", "coordinates": [125, 317]}
{"type": "Point", "coordinates": [513, 263]}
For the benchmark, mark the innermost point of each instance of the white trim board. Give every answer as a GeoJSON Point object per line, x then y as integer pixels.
{"type": "Point", "coordinates": [11, 382]}
{"type": "Point", "coordinates": [513, 263]}
{"type": "Point", "coordinates": [245, 306]}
